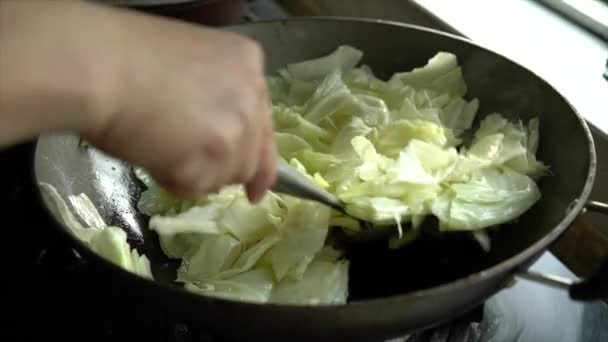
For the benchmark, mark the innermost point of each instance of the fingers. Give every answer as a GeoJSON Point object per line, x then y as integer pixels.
{"type": "Point", "coordinates": [265, 174]}
{"type": "Point", "coordinates": [242, 153]}
{"type": "Point", "coordinates": [253, 140]}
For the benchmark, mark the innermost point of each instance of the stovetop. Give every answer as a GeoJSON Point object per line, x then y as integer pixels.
{"type": "Point", "coordinates": [54, 293]}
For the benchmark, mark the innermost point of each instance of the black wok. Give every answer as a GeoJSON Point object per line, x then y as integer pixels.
{"type": "Point", "coordinates": [392, 292]}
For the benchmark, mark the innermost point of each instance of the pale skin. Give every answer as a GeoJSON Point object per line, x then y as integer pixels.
{"type": "Point", "coordinates": [189, 104]}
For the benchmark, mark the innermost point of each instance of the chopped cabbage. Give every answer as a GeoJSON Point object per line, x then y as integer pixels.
{"type": "Point", "coordinates": [393, 148]}
{"type": "Point", "coordinates": [441, 74]}
{"type": "Point", "coordinates": [230, 248]}
{"type": "Point", "coordinates": [393, 151]}
{"type": "Point", "coordinates": [304, 232]}
{"type": "Point", "coordinates": [492, 196]}
{"type": "Point", "coordinates": [323, 282]}
{"type": "Point", "coordinates": [214, 255]}
{"type": "Point", "coordinates": [343, 58]}
{"type": "Point", "coordinates": [108, 241]}
{"type": "Point", "coordinates": [111, 243]}
{"type": "Point", "coordinates": [251, 286]}
{"type": "Point", "coordinates": [240, 251]}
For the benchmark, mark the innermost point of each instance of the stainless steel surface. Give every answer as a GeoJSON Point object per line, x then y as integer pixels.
{"type": "Point", "coordinates": [501, 86]}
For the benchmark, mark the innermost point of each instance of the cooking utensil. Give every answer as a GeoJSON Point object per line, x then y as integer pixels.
{"type": "Point", "coordinates": [392, 292]}
{"type": "Point", "coordinates": [291, 182]}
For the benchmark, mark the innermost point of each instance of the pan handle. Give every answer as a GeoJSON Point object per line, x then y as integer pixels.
{"type": "Point", "coordinates": [598, 207]}
{"type": "Point", "coordinates": [595, 287]}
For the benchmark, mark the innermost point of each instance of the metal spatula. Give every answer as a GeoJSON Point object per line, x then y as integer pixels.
{"type": "Point", "coordinates": [291, 182]}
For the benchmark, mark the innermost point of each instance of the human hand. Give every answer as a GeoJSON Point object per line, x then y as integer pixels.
{"type": "Point", "coordinates": [187, 103]}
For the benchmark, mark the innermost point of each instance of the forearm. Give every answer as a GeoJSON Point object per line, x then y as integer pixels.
{"type": "Point", "coordinates": [48, 83]}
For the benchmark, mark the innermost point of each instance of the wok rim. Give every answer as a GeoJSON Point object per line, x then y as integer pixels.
{"type": "Point", "coordinates": [506, 267]}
